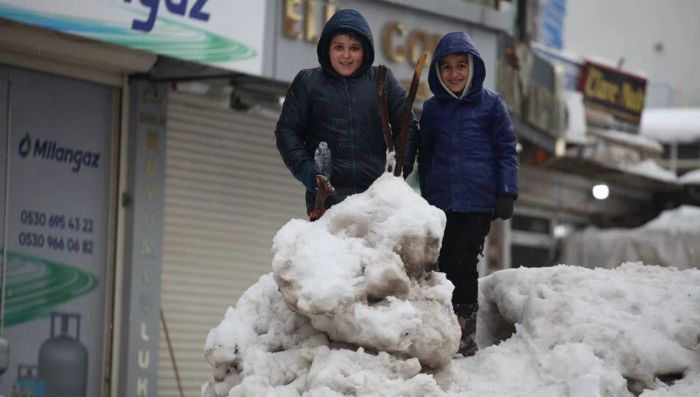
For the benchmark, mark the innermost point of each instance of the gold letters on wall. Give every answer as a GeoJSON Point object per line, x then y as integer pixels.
{"type": "Point", "coordinates": [300, 19]}
{"type": "Point", "coordinates": [304, 19]}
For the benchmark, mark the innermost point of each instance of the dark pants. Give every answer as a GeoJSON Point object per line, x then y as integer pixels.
{"type": "Point", "coordinates": [462, 243]}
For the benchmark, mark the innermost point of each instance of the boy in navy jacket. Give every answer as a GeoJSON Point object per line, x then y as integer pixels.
{"type": "Point", "coordinates": [467, 165]}
{"type": "Point", "coordinates": [337, 103]}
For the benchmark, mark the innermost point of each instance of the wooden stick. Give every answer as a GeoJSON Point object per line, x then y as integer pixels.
{"type": "Point", "coordinates": [384, 113]}
{"type": "Point", "coordinates": [407, 113]}
{"type": "Point", "coordinates": [172, 353]}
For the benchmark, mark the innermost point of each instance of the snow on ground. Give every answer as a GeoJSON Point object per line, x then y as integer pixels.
{"type": "Point", "coordinates": [559, 331]}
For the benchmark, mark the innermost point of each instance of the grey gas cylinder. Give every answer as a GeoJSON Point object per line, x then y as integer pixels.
{"type": "Point", "coordinates": [63, 360]}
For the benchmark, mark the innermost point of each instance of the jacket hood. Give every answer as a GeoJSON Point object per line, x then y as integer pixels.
{"type": "Point", "coordinates": [457, 43]}
{"type": "Point", "coordinates": [346, 20]}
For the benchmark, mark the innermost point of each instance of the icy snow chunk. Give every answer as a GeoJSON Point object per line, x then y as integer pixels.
{"type": "Point", "coordinates": [362, 273]}
{"type": "Point", "coordinates": [255, 338]}
{"type": "Point", "coordinates": [638, 323]}
{"type": "Point", "coordinates": [263, 348]}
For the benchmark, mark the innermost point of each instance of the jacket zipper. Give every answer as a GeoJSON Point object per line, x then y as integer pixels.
{"type": "Point", "coordinates": [352, 137]}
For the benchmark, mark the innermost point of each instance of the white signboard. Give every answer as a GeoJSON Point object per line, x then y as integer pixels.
{"type": "Point", "coordinates": [222, 33]}
{"type": "Point", "coordinates": [57, 227]}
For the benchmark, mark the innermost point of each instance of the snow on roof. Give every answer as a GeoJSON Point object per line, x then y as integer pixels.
{"type": "Point", "coordinates": [559, 331]}
{"type": "Point", "coordinates": [669, 240]}
{"type": "Point", "coordinates": [690, 178]}
{"type": "Point", "coordinates": [669, 125]}
{"type": "Point", "coordinates": [636, 140]}
{"type": "Point", "coordinates": [613, 65]}
{"type": "Point", "coordinates": [650, 169]}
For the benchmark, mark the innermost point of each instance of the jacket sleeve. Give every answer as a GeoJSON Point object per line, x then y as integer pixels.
{"type": "Point", "coordinates": [292, 126]}
{"type": "Point", "coordinates": [426, 148]}
{"type": "Point", "coordinates": [505, 150]}
{"type": "Point", "coordinates": [397, 97]}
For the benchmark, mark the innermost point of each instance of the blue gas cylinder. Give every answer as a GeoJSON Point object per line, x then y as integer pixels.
{"type": "Point", "coordinates": [28, 383]}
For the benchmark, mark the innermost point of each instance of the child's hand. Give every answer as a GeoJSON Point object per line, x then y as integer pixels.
{"type": "Point", "coordinates": [504, 207]}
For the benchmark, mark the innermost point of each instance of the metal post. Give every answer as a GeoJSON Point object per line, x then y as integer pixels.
{"type": "Point", "coordinates": [3, 276]}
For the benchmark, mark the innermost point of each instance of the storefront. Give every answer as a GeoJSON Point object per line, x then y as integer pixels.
{"type": "Point", "coordinates": [577, 125]}
{"type": "Point", "coordinates": [58, 199]}
{"type": "Point", "coordinates": [82, 147]}
{"type": "Point", "coordinates": [179, 209]}
{"type": "Point", "coordinates": [60, 128]}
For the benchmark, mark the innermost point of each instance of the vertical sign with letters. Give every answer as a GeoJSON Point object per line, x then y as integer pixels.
{"type": "Point", "coordinates": [145, 241]}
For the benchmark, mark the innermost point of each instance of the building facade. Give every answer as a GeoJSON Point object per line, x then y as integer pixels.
{"type": "Point", "coordinates": [139, 203]}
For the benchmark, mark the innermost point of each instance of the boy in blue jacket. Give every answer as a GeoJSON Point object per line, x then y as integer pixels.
{"type": "Point", "coordinates": [467, 165]}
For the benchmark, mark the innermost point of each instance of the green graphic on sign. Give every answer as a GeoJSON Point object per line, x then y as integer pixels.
{"type": "Point", "coordinates": [35, 286]}
{"type": "Point", "coordinates": [171, 37]}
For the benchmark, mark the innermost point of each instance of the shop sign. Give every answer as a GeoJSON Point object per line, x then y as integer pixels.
{"type": "Point", "coordinates": [225, 34]}
{"type": "Point", "coordinates": [545, 106]}
{"type": "Point", "coordinates": [571, 64]}
{"type": "Point", "coordinates": [57, 227]}
{"type": "Point", "coordinates": [613, 91]}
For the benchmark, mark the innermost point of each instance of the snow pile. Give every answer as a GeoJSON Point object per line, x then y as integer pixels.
{"type": "Point", "coordinates": [584, 332]}
{"type": "Point", "coordinates": [362, 275]}
{"type": "Point", "coordinates": [671, 239]}
{"type": "Point", "coordinates": [262, 348]}
{"type": "Point", "coordinates": [370, 319]}
{"type": "Point", "coordinates": [560, 331]}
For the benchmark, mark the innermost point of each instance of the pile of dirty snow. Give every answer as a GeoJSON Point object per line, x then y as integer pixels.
{"type": "Point", "coordinates": [369, 318]}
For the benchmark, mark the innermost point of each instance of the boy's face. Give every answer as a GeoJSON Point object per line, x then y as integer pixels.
{"type": "Point", "coordinates": [346, 54]}
{"type": "Point", "coordinates": [454, 72]}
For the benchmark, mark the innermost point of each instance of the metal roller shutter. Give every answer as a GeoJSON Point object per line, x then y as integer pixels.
{"type": "Point", "coordinates": [227, 193]}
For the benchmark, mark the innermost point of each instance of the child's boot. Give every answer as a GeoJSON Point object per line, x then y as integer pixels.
{"type": "Point", "coordinates": [466, 316]}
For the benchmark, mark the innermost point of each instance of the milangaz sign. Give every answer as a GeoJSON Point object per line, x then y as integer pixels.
{"type": "Point", "coordinates": [613, 91]}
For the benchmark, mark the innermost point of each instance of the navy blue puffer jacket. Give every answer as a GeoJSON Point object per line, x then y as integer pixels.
{"type": "Point", "coordinates": [467, 155]}
{"type": "Point", "coordinates": [323, 106]}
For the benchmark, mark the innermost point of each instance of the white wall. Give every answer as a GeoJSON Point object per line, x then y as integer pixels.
{"type": "Point", "coordinates": [612, 29]}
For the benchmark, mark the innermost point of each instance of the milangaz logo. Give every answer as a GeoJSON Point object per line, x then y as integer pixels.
{"type": "Point", "coordinates": [51, 150]}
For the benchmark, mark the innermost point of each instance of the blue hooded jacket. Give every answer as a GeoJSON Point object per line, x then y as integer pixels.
{"type": "Point", "coordinates": [321, 105]}
{"type": "Point", "coordinates": [466, 155]}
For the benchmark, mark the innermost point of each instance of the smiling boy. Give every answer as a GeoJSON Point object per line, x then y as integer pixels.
{"type": "Point", "coordinates": [467, 165]}
{"type": "Point", "coordinates": [336, 103]}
